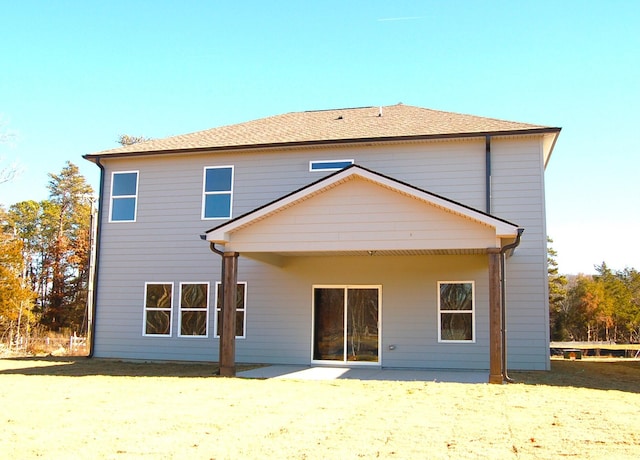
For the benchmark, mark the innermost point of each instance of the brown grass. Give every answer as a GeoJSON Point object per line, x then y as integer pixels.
{"type": "Point", "coordinates": [81, 408]}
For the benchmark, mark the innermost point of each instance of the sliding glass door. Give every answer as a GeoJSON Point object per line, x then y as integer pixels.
{"type": "Point", "coordinates": [346, 323]}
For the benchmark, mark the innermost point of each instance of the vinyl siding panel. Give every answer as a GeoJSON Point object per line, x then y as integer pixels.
{"type": "Point", "coordinates": [163, 245]}
{"type": "Point", "coordinates": [518, 188]}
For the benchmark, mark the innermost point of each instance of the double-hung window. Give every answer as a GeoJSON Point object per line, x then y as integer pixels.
{"type": "Point", "coordinates": [456, 311]}
{"type": "Point", "coordinates": [124, 196]}
{"type": "Point", "coordinates": [241, 309]}
{"type": "Point", "coordinates": [158, 303]}
{"type": "Point", "coordinates": [218, 192]}
{"type": "Point", "coordinates": [194, 309]}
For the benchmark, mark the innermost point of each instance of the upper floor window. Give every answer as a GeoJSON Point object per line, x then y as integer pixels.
{"type": "Point", "coordinates": [218, 192]}
{"type": "Point", "coordinates": [124, 196]}
{"type": "Point", "coordinates": [456, 311]}
{"type": "Point", "coordinates": [329, 165]}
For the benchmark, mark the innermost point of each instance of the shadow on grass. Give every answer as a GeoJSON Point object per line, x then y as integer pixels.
{"type": "Point", "coordinates": [617, 375]}
{"type": "Point", "coordinates": [622, 375]}
{"type": "Point", "coordinates": [80, 366]}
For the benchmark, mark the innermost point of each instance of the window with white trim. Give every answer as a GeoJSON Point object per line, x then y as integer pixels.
{"type": "Point", "coordinates": [241, 309]}
{"type": "Point", "coordinates": [158, 304]}
{"type": "Point", "coordinates": [217, 192]}
{"type": "Point", "coordinates": [194, 310]}
{"type": "Point", "coordinates": [456, 311]}
{"type": "Point", "coordinates": [329, 165]}
{"type": "Point", "coordinates": [124, 196]}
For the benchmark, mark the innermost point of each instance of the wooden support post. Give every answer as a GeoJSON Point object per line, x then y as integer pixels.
{"type": "Point", "coordinates": [228, 330]}
{"type": "Point", "coordinates": [495, 318]}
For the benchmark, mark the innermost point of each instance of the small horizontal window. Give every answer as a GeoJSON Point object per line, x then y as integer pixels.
{"type": "Point", "coordinates": [329, 165]}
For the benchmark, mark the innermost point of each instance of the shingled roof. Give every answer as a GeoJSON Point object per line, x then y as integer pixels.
{"type": "Point", "coordinates": [395, 122]}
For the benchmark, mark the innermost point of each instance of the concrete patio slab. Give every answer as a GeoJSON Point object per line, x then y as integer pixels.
{"type": "Point", "coordinates": [281, 371]}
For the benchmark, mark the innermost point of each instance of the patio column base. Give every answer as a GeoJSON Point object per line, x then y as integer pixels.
{"type": "Point", "coordinates": [227, 371]}
{"type": "Point", "coordinates": [496, 379]}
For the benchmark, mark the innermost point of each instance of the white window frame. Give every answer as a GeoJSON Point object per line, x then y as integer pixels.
{"type": "Point", "coordinates": [221, 192]}
{"type": "Point", "coordinates": [472, 312]}
{"type": "Point", "coordinates": [321, 162]}
{"type": "Point", "coordinates": [199, 310]}
{"type": "Point", "coordinates": [145, 310]}
{"type": "Point", "coordinates": [135, 197]}
{"type": "Point", "coordinates": [218, 311]}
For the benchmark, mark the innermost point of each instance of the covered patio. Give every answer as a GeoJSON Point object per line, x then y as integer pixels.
{"type": "Point", "coordinates": [357, 212]}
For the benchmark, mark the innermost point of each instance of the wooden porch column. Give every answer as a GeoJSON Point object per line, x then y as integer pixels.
{"type": "Point", "coordinates": [228, 330]}
{"type": "Point", "coordinates": [495, 318]}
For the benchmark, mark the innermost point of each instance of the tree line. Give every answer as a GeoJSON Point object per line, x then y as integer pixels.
{"type": "Point", "coordinates": [44, 262]}
{"type": "Point", "coordinates": [600, 307]}
{"type": "Point", "coordinates": [45, 255]}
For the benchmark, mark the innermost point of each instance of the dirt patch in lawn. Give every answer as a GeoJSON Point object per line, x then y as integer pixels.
{"type": "Point", "coordinates": [81, 408]}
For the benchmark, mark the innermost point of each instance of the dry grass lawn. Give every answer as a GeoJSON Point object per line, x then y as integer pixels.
{"type": "Point", "coordinates": [81, 408]}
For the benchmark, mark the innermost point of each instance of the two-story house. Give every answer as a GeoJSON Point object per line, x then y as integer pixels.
{"type": "Point", "coordinates": [392, 236]}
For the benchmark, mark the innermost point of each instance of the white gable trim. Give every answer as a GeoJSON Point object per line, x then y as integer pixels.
{"type": "Point", "coordinates": [221, 234]}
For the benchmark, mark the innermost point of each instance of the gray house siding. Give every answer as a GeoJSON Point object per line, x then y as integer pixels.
{"type": "Point", "coordinates": [163, 245]}
{"type": "Point", "coordinates": [518, 190]}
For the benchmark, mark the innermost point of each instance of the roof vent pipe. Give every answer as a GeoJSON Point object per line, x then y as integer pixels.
{"type": "Point", "coordinates": [380, 111]}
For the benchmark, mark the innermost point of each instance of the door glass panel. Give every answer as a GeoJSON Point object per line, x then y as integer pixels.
{"type": "Point", "coordinates": [362, 325]}
{"type": "Point", "coordinates": [328, 334]}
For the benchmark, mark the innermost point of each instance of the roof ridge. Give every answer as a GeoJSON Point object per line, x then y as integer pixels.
{"type": "Point", "coordinates": [338, 109]}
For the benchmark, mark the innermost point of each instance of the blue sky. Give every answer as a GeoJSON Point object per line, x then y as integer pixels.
{"type": "Point", "coordinates": [76, 74]}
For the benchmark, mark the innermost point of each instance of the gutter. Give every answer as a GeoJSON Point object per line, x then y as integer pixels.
{"type": "Point", "coordinates": [94, 297]}
{"type": "Point", "coordinates": [503, 300]}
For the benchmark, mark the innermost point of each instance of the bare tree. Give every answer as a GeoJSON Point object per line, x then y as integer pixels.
{"type": "Point", "coordinates": [9, 172]}
{"type": "Point", "coordinates": [126, 139]}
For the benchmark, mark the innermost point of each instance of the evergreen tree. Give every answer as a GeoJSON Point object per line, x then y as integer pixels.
{"type": "Point", "coordinates": [557, 296]}
{"type": "Point", "coordinates": [68, 258]}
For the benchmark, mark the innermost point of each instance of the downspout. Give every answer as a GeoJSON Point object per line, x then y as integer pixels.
{"type": "Point", "coordinates": [503, 300]}
{"type": "Point", "coordinates": [487, 159]}
{"type": "Point", "coordinates": [94, 296]}
{"type": "Point", "coordinates": [212, 247]}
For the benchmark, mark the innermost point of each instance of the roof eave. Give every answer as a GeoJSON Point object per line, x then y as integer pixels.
{"type": "Point", "coordinates": [549, 144]}
{"type": "Point", "coordinates": [349, 141]}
